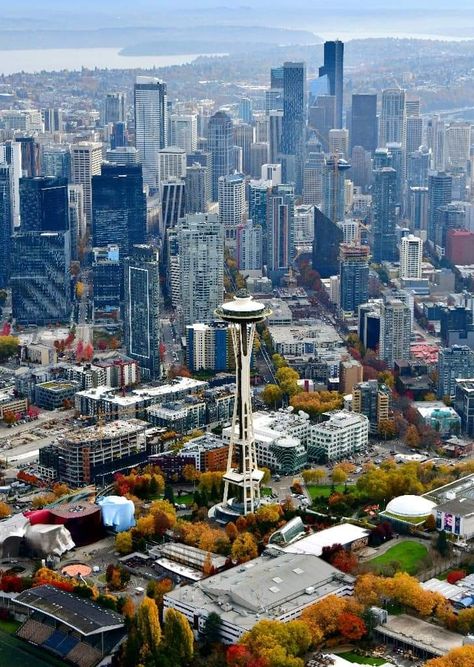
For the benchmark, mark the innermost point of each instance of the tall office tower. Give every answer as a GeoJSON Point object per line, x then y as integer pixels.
{"type": "Point", "coordinates": [142, 309]}
{"type": "Point", "coordinates": [280, 230]}
{"type": "Point", "coordinates": [231, 205]}
{"type": "Point", "coordinates": [197, 189]}
{"type": "Point", "coordinates": [439, 194]}
{"type": "Point", "coordinates": [414, 133]}
{"type": "Point", "coordinates": [328, 236]}
{"type": "Point", "coordinates": [364, 122]}
{"type": "Point", "coordinates": [118, 207]}
{"type": "Point", "coordinates": [261, 127]}
{"type": "Point", "coordinates": [303, 225]}
{"type": "Point", "coordinates": [123, 155]}
{"type": "Point", "coordinates": [436, 137]}
{"type": "Point", "coordinates": [249, 247]}
{"type": "Point", "coordinates": [339, 142]}
{"type": "Point", "coordinates": [333, 69]}
{"type": "Point", "coordinates": [271, 172]}
{"type": "Point", "coordinates": [361, 168]}
{"type": "Point", "coordinates": [458, 145]}
{"type": "Point", "coordinates": [450, 217]}
{"type": "Point", "coordinates": [418, 209]}
{"type": "Point", "coordinates": [258, 194]}
{"type": "Point", "coordinates": [368, 328]}
{"type": "Point", "coordinates": [321, 118]}
{"type": "Point", "coordinates": [151, 125]}
{"type": "Point", "coordinates": [273, 100]}
{"type": "Point", "coordinates": [353, 276]}
{"type": "Point", "coordinates": [395, 330]}
{"type": "Point", "coordinates": [53, 120]}
{"type": "Point", "coordinates": [393, 117]}
{"type": "Point", "coordinates": [43, 204]}
{"type": "Point", "coordinates": [107, 278]}
{"type": "Point", "coordinates": [220, 142]}
{"type": "Point", "coordinates": [183, 131]}
{"type": "Point", "coordinates": [56, 161]}
{"type": "Point", "coordinates": [40, 279]}
{"type": "Point", "coordinates": [173, 203]}
{"type": "Point", "coordinates": [411, 256]}
{"type": "Point", "coordinates": [10, 154]}
{"type": "Point", "coordinates": [203, 158]}
{"type": "Point", "coordinates": [454, 362]}
{"type": "Point", "coordinates": [244, 137]}
{"type": "Point", "coordinates": [86, 158]}
{"type": "Point", "coordinates": [30, 156]}
{"type": "Point", "coordinates": [172, 163]}
{"type": "Point", "coordinates": [6, 223]}
{"type": "Point", "coordinates": [313, 179]}
{"type": "Point", "coordinates": [245, 110]}
{"type": "Point", "coordinates": [418, 165]}
{"type": "Point", "coordinates": [258, 157]}
{"type": "Point", "coordinates": [242, 314]}
{"type": "Point", "coordinates": [77, 220]}
{"type": "Point", "coordinates": [382, 158]}
{"type": "Point", "coordinates": [294, 123]}
{"type": "Point", "coordinates": [334, 174]}
{"type": "Point", "coordinates": [397, 162]}
{"type": "Point", "coordinates": [384, 215]}
{"type": "Point", "coordinates": [200, 240]}
{"type": "Point", "coordinates": [276, 78]}
{"type": "Point", "coordinates": [237, 160]}
{"type": "Point", "coordinates": [275, 127]}
{"type": "Point", "coordinates": [114, 108]}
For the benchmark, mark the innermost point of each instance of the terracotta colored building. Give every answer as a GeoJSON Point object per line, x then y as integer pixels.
{"type": "Point", "coordinates": [460, 246]}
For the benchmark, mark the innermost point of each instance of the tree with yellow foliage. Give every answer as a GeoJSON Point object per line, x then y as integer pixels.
{"type": "Point", "coordinates": [458, 657]}
{"type": "Point", "coordinates": [123, 542]}
{"type": "Point", "coordinates": [5, 510]}
{"type": "Point", "coordinates": [148, 627]}
{"type": "Point", "coordinates": [278, 644]}
{"type": "Point", "coordinates": [316, 402]}
{"type": "Point", "coordinates": [244, 548]}
{"type": "Point", "coordinates": [178, 637]}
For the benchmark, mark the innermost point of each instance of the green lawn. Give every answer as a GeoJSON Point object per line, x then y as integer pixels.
{"type": "Point", "coordinates": [184, 498]}
{"type": "Point", "coordinates": [407, 553]}
{"type": "Point", "coordinates": [14, 651]}
{"type": "Point", "coordinates": [266, 491]}
{"type": "Point", "coordinates": [350, 656]}
{"type": "Point", "coordinates": [324, 490]}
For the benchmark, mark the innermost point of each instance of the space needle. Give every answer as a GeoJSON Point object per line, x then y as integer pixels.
{"type": "Point", "coordinates": [242, 479]}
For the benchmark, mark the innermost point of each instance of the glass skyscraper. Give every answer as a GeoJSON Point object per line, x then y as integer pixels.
{"type": "Point", "coordinates": [44, 204]}
{"type": "Point", "coordinates": [333, 68]}
{"type": "Point", "coordinates": [293, 123]}
{"type": "Point", "coordinates": [151, 126]}
{"type": "Point", "coordinates": [220, 142]}
{"type": "Point", "coordinates": [364, 122]}
{"type": "Point", "coordinates": [384, 215]}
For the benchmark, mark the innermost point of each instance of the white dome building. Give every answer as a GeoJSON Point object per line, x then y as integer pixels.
{"type": "Point", "coordinates": [409, 507]}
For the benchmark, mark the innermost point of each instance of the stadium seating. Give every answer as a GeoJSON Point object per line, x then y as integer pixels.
{"type": "Point", "coordinates": [35, 632]}
{"type": "Point", "coordinates": [60, 643]}
{"type": "Point", "coordinates": [84, 655]}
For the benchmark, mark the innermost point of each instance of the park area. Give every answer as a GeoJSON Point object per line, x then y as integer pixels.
{"type": "Point", "coordinates": [407, 553]}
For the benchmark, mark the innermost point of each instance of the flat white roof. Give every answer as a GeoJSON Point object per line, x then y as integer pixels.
{"type": "Point", "coordinates": [313, 544]}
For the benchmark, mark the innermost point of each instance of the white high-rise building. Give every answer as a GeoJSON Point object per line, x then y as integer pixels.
{"type": "Point", "coordinates": [395, 330]}
{"type": "Point", "coordinates": [86, 158]}
{"type": "Point", "coordinates": [172, 163]}
{"type": "Point", "coordinates": [183, 131]}
{"type": "Point", "coordinates": [342, 434]}
{"type": "Point", "coordinates": [231, 205]}
{"type": "Point", "coordinates": [201, 263]}
{"type": "Point", "coordinates": [436, 139]}
{"type": "Point", "coordinates": [458, 145]}
{"type": "Point", "coordinates": [151, 125]}
{"type": "Point", "coordinates": [271, 172]}
{"type": "Point", "coordinates": [393, 117]}
{"type": "Point", "coordinates": [304, 224]}
{"type": "Point", "coordinates": [411, 256]}
{"type": "Point", "coordinates": [339, 142]}
{"type": "Point", "coordinates": [249, 247]}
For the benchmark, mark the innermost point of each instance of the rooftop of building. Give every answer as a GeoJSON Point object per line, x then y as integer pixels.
{"type": "Point", "coordinates": [138, 395]}
{"type": "Point", "coordinates": [58, 385]}
{"type": "Point", "coordinates": [458, 506]}
{"type": "Point", "coordinates": [433, 409]}
{"type": "Point", "coordinates": [460, 488]}
{"type": "Point", "coordinates": [340, 419]}
{"type": "Point", "coordinates": [467, 384]}
{"type": "Point", "coordinates": [204, 443]}
{"type": "Point", "coordinates": [424, 635]}
{"type": "Point", "coordinates": [270, 426]}
{"type": "Point", "coordinates": [345, 533]}
{"type": "Point", "coordinates": [113, 429]}
{"type": "Point", "coordinates": [317, 332]}
{"type": "Point", "coordinates": [266, 587]}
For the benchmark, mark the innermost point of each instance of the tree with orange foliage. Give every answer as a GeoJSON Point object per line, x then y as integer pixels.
{"type": "Point", "coordinates": [346, 561]}
{"type": "Point", "coordinates": [231, 531]}
{"type": "Point", "coordinates": [458, 657]}
{"type": "Point", "coordinates": [156, 589]}
{"type": "Point", "coordinates": [5, 510]}
{"type": "Point", "coordinates": [244, 548]}
{"type": "Point", "coordinates": [351, 626]}
{"type": "Point", "coordinates": [240, 656]}
{"type": "Point", "coordinates": [207, 567]}
{"type": "Point", "coordinates": [323, 616]}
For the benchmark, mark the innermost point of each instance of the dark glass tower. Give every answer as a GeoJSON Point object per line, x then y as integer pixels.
{"type": "Point", "coordinates": [333, 68]}
{"type": "Point", "coordinates": [294, 123]}
{"type": "Point", "coordinates": [6, 224]}
{"type": "Point", "coordinates": [44, 204]}
{"type": "Point", "coordinates": [141, 309]}
{"type": "Point", "coordinates": [118, 207]}
{"type": "Point", "coordinates": [364, 122]}
{"type": "Point", "coordinates": [439, 194]}
{"type": "Point", "coordinates": [220, 142]}
{"type": "Point", "coordinates": [384, 215]}
{"type": "Point", "coordinates": [354, 276]}
{"type": "Point", "coordinates": [327, 239]}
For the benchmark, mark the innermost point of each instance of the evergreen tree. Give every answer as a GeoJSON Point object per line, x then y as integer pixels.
{"type": "Point", "coordinates": [169, 494]}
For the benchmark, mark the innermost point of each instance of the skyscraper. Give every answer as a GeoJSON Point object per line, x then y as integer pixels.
{"type": "Point", "coordinates": [197, 189]}
{"type": "Point", "coordinates": [142, 309]}
{"type": "Point", "coordinates": [393, 117]}
{"type": "Point", "coordinates": [231, 205]}
{"type": "Point", "coordinates": [245, 110]}
{"type": "Point", "coordinates": [53, 120]}
{"type": "Point", "coordinates": [439, 194]}
{"type": "Point", "coordinates": [364, 122]}
{"type": "Point", "coordinates": [458, 145]}
{"type": "Point", "coordinates": [454, 362]}
{"type": "Point", "coordinates": [183, 131]}
{"type": "Point", "coordinates": [243, 137]}
{"type": "Point", "coordinates": [313, 179]}
{"type": "Point", "coordinates": [384, 215]}
{"type": "Point", "coordinates": [249, 247]}
{"type": "Point", "coordinates": [353, 276]}
{"type": "Point", "coordinates": [395, 330]}
{"type": "Point", "coordinates": [86, 158]}
{"type": "Point", "coordinates": [44, 204]}
{"type": "Point", "coordinates": [10, 154]}
{"type": "Point", "coordinates": [339, 142]}
{"type": "Point", "coordinates": [56, 161]}
{"type": "Point", "coordinates": [258, 157]}
{"type": "Point", "coordinates": [220, 142]}
{"type": "Point", "coordinates": [334, 174]}
{"type": "Point", "coordinates": [77, 220]}
{"type": "Point", "coordinates": [173, 201]}
{"type": "Point", "coordinates": [151, 125]}
{"type": "Point", "coordinates": [203, 158]}
{"type": "Point", "coordinates": [333, 68]}
{"type": "Point", "coordinates": [294, 122]}
{"type": "Point", "coordinates": [327, 238]}
{"type": "Point", "coordinates": [6, 223]}
{"type": "Point", "coordinates": [40, 279]}
{"type": "Point", "coordinates": [114, 108]}
{"type": "Point", "coordinates": [172, 163]}
{"type": "Point", "coordinates": [200, 241]}
{"type": "Point", "coordinates": [411, 256]}
{"type": "Point", "coordinates": [280, 229]}
{"type": "Point", "coordinates": [119, 207]}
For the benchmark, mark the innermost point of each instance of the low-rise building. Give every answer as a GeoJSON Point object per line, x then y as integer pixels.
{"type": "Point", "coordinates": [372, 400]}
{"type": "Point", "coordinates": [273, 586]}
{"type": "Point", "coordinates": [341, 435]}
{"type": "Point", "coordinates": [208, 452]}
{"type": "Point", "coordinates": [11, 403]}
{"type": "Point", "coordinates": [180, 416]}
{"type": "Point", "coordinates": [439, 416]}
{"type": "Point", "coordinates": [305, 340]}
{"type": "Point", "coordinates": [55, 394]}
